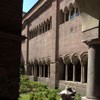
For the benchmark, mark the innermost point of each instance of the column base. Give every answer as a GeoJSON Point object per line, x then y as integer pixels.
{"type": "Point", "coordinates": [85, 98]}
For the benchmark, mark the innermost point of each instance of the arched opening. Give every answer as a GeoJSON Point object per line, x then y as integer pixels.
{"type": "Point", "coordinates": [32, 69]}
{"type": "Point", "coordinates": [72, 13]}
{"type": "Point", "coordinates": [43, 28]}
{"type": "Point", "coordinates": [48, 25]}
{"type": "Point", "coordinates": [67, 16]}
{"type": "Point", "coordinates": [35, 33]}
{"type": "Point", "coordinates": [62, 69]}
{"type": "Point", "coordinates": [50, 22]}
{"type": "Point", "coordinates": [61, 16]}
{"type": "Point", "coordinates": [46, 70]}
{"type": "Point", "coordinates": [42, 70]}
{"type": "Point", "coordinates": [70, 72]}
{"type": "Point", "coordinates": [40, 29]}
{"type": "Point", "coordinates": [77, 13]}
{"type": "Point", "coordinates": [78, 72]}
{"type": "Point", "coordinates": [37, 70]}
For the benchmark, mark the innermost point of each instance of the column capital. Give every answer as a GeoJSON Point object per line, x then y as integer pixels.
{"type": "Point", "coordinates": [92, 41]}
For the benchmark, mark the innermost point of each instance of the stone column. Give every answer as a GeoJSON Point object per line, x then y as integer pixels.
{"type": "Point", "coordinates": [66, 73]}
{"type": "Point", "coordinates": [43, 70]}
{"type": "Point", "coordinates": [32, 70]}
{"type": "Point", "coordinates": [35, 72]}
{"type": "Point", "coordinates": [64, 16]}
{"type": "Point", "coordinates": [48, 71]}
{"type": "Point", "coordinates": [82, 73]}
{"type": "Point", "coordinates": [74, 72]}
{"type": "Point", "coordinates": [40, 71]}
{"type": "Point", "coordinates": [93, 85]}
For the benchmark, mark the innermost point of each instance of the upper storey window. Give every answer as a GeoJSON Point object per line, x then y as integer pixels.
{"type": "Point", "coordinates": [72, 13]}
{"type": "Point", "coordinates": [77, 13]}
{"type": "Point", "coordinates": [67, 16]}
{"type": "Point", "coordinates": [69, 13]}
{"type": "Point", "coordinates": [41, 28]}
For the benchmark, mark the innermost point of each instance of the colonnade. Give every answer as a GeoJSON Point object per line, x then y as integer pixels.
{"type": "Point", "coordinates": [74, 68]}
{"type": "Point", "coordinates": [70, 12]}
{"type": "Point", "coordinates": [39, 69]}
{"type": "Point", "coordinates": [41, 28]}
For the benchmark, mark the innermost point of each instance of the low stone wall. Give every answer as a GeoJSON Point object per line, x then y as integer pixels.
{"type": "Point", "coordinates": [78, 86]}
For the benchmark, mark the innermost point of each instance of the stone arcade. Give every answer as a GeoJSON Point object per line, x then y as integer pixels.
{"type": "Point", "coordinates": [62, 40]}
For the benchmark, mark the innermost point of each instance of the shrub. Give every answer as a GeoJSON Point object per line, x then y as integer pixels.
{"type": "Point", "coordinates": [77, 97]}
{"type": "Point", "coordinates": [36, 90]}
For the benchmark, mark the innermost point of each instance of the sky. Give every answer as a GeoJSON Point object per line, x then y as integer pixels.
{"type": "Point", "coordinates": [28, 4]}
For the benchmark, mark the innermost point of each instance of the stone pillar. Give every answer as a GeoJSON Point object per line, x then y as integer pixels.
{"type": "Point", "coordinates": [32, 70]}
{"type": "Point", "coordinates": [74, 72]}
{"type": "Point", "coordinates": [40, 71]}
{"type": "Point", "coordinates": [64, 16]}
{"type": "Point", "coordinates": [48, 71]}
{"type": "Point", "coordinates": [35, 72]}
{"type": "Point", "coordinates": [66, 73]}
{"type": "Point", "coordinates": [43, 70]}
{"type": "Point", "coordinates": [93, 85]}
{"type": "Point", "coordinates": [82, 73]}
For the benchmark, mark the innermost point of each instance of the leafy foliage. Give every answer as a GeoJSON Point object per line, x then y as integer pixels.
{"type": "Point", "coordinates": [77, 97]}
{"type": "Point", "coordinates": [36, 90]}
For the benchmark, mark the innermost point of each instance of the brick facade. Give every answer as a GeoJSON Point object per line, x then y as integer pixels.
{"type": "Point", "coordinates": [53, 52]}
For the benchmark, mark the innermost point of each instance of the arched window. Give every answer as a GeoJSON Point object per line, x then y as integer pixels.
{"type": "Point", "coordinates": [43, 28]}
{"type": "Point", "coordinates": [35, 32]}
{"type": "Point", "coordinates": [40, 29]}
{"type": "Point", "coordinates": [61, 16]}
{"type": "Point", "coordinates": [46, 26]}
{"type": "Point", "coordinates": [67, 16]}
{"type": "Point", "coordinates": [77, 13]}
{"type": "Point", "coordinates": [72, 13]}
{"type": "Point", "coordinates": [50, 22]}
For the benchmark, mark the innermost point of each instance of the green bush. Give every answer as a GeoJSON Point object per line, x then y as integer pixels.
{"type": "Point", "coordinates": [36, 90]}
{"type": "Point", "coordinates": [77, 97]}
